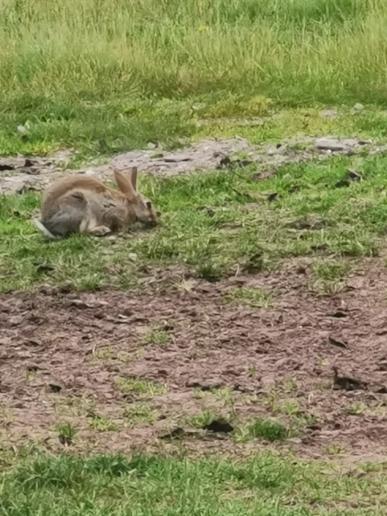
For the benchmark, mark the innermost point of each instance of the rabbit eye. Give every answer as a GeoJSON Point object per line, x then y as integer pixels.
{"type": "Point", "coordinates": [148, 204]}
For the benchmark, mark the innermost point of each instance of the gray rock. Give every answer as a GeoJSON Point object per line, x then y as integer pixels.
{"type": "Point", "coordinates": [328, 113]}
{"type": "Point", "coordinates": [329, 144]}
{"type": "Point", "coordinates": [357, 108]}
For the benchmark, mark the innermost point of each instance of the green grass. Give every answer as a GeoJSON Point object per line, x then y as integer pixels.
{"type": "Point", "coordinates": [241, 232]}
{"type": "Point", "coordinates": [252, 296]}
{"type": "Point", "coordinates": [139, 413]}
{"type": "Point", "coordinates": [102, 423]}
{"type": "Point", "coordinates": [157, 337]}
{"type": "Point", "coordinates": [267, 485]}
{"type": "Point", "coordinates": [328, 275]}
{"type": "Point", "coordinates": [269, 430]}
{"type": "Point", "coordinates": [205, 418]}
{"type": "Point", "coordinates": [103, 77]}
{"type": "Point", "coordinates": [66, 432]}
{"type": "Point", "coordinates": [140, 388]}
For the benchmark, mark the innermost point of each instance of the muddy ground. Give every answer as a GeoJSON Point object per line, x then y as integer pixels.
{"type": "Point", "coordinates": [84, 359]}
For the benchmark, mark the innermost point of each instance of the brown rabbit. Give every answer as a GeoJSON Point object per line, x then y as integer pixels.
{"type": "Point", "coordinates": [82, 204]}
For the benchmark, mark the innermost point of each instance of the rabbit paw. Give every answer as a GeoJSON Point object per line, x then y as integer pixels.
{"type": "Point", "coordinates": [100, 231]}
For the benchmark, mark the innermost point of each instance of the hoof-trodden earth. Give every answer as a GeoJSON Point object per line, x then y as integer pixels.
{"type": "Point", "coordinates": [90, 361]}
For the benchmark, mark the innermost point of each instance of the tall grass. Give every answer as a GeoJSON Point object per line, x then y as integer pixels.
{"type": "Point", "coordinates": [62, 60]}
{"type": "Point", "coordinates": [292, 50]}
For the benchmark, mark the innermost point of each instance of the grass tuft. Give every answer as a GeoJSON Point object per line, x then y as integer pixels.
{"type": "Point", "coordinates": [140, 388]}
{"type": "Point", "coordinates": [254, 297]}
{"type": "Point", "coordinates": [266, 429]}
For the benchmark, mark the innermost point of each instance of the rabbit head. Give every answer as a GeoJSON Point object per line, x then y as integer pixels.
{"type": "Point", "coordinates": [142, 208]}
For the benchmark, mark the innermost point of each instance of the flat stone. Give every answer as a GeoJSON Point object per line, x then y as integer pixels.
{"type": "Point", "coordinates": [330, 144]}
{"type": "Point", "coordinates": [328, 113]}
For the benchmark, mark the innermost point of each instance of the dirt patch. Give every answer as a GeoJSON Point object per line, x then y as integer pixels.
{"type": "Point", "coordinates": [18, 175]}
{"type": "Point", "coordinates": [137, 370]}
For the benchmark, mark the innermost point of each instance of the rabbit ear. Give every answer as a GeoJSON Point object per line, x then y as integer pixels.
{"type": "Point", "coordinates": [133, 177]}
{"type": "Point", "coordinates": [124, 183]}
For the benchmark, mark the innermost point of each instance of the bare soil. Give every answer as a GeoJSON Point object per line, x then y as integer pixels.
{"type": "Point", "coordinates": [68, 357]}
{"type": "Point", "coordinates": [20, 174]}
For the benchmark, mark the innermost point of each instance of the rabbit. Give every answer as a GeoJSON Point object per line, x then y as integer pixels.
{"type": "Point", "coordinates": [82, 204]}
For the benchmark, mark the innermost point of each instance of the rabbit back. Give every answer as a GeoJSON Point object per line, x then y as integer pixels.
{"type": "Point", "coordinates": [53, 195]}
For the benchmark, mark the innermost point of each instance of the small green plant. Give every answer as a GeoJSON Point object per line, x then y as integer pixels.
{"type": "Point", "coordinates": [66, 433]}
{"type": "Point", "coordinates": [208, 418]}
{"type": "Point", "coordinates": [287, 407]}
{"type": "Point", "coordinates": [210, 270]}
{"type": "Point", "coordinates": [328, 275]}
{"type": "Point", "coordinates": [254, 297]}
{"type": "Point", "coordinates": [157, 336]}
{"type": "Point", "coordinates": [105, 353]}
{"type": "Point", "coordinates": [334, 449]}
{"type": "Point", "coordinates": [252, 371]}
{"type": "Point", "coordinates": [356, 409]}
{"type": "Point", "coordinates": [225, 394]}
{"type": "Point", "coordinates": [261, 428]}
{"type": "Point", "coordinates": [102, 424]}
{"type": "Point", "coordinates": [140, 388]}
{"type": "Point", "coordinates": [203, 419]}
{"type": "Point", "coordinates": [139, 413]}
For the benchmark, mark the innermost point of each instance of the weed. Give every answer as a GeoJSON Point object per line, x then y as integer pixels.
{"type": "Point", "coordinates": [203, 419]}
{"type": "Point", "coordinates": [66, 433]}
{"type": "Point", "coordinates": [157, 336]}
{"type": "Point", "coordinates": [254, 297]}
{"type": "Point", "coordinates": [102, 424]}
{"type": "Point", "coordinates": [140, 388]}
{"type": "Point", "coordinates": [288, 407]}
{"type": "Point", "coordinates": [104, 354]}
{"type": "Point", "coordinates": [139, 414]}
{"type": "Point", "coordinates": [261, 428]}
{"type": "Point", "coordinates": [209, 419]}
{"type": "Point", "coordinates": [328, 275]}
{"type": "Point", "coordinates": [334, 449]}
{"type": "Point", "coordinates": [224, 394]}
{"type": "Point", "coordinates": [357, 409]}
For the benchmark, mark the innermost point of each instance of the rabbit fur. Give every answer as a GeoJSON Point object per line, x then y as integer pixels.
{"type": "Point", "coordinates": [82, 204]}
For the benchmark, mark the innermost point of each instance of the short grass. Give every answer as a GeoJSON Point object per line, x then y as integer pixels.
{"type": "Point", "coordinates": [102, 423]}
{"type": "Point", "coordinates": [107, 76]}
{"type": "Point", "coordinates": [205, 418]}
{"type": "Point", "coordinates": [66, 432]}
{"type": "Point", "coordinates": [242, 230]}
{"type": "Point", "coordinates": [266, 484]}
{"type": "Point", "coordinates": [139, 413]}
{"type": "Point", "coordinates": [270, 430]}
{"type": "Point", "coordinates": [250, 296]}
{"type": "Point", "coordinates": [139, 388]}
{"type": "Point", "coordinates": [157, 336]}
{"type": "Point", "coordinates": [329, 275]}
